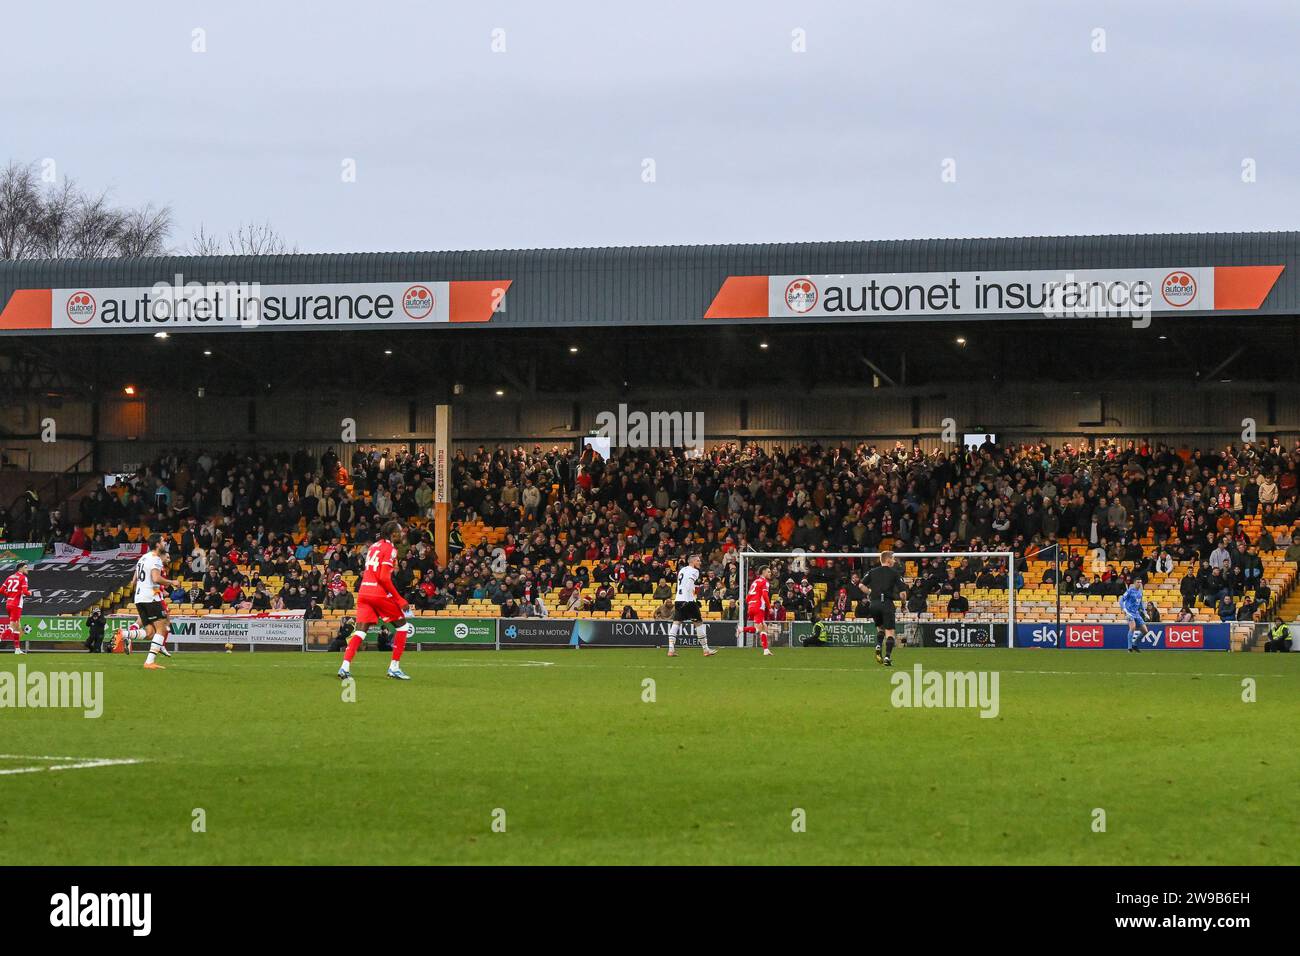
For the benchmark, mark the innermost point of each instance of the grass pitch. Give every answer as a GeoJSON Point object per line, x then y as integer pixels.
{"type": "Point", "coordinates": [712, 771]}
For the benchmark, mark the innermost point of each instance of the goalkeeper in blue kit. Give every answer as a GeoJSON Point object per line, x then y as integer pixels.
{"type": "Point", "coordinates": [1134, 607]}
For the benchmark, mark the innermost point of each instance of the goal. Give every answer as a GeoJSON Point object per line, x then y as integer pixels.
{"type": "Point", "coordinates": [985, 579]}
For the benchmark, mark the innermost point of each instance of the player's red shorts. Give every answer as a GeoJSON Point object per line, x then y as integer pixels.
{"type": "Point", "coordinates": [755, 615]}
{"type": "Point", "coordinates": [371, 609]}
{"type": "Point", "coordinates": [15, 612]}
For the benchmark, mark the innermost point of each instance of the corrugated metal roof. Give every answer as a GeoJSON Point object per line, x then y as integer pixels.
{"type": "Point", "coordinates": [653, 285]}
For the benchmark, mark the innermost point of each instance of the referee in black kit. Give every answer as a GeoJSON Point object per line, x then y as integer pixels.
{"type": "Point", "coordinates": [884, 586]}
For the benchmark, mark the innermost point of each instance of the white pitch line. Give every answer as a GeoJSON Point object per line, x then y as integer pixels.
{"type": "Point", "coordinates": [497, 664]}
{"type": "Point", "coordinates": [78, 763]}
{"type": "Point", "coordinates": [96, 762]}
{"type": "Point", "coordinates": [37, 757]}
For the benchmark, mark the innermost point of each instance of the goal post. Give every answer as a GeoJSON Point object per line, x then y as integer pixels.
{"type": "Point", "coordinates": [748, 558]}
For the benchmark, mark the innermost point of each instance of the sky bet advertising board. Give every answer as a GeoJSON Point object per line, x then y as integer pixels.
{"type": "Point", "coordinates": [1114, 637]}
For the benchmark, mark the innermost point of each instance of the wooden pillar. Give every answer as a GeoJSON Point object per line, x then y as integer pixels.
{"type": "Point", "coordinates": [441, 480]}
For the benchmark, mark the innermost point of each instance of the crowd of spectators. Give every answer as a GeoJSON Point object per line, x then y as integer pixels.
{"type": "Point", "coordinates": [575, 522]}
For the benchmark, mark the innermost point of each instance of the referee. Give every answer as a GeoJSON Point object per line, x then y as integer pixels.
{"type": "Point", "coordinates": [883, 587]}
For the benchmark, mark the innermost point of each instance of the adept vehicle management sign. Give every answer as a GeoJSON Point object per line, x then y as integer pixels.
{"type": "Point", "coordinates": [238, 630]}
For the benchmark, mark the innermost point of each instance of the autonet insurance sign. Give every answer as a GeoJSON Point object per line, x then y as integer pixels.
{"type": "Point", "coordinates": [1051, 293]}
{"type": "Point", "coordinates": [181, 306]}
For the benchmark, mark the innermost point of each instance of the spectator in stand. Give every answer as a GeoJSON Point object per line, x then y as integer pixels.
{"type": "Point", "coordinates": [233, 594]}
{"type": "Point", "coordinates": [261, 601]}
{"type": "Point", "coordinates": [642, 512]}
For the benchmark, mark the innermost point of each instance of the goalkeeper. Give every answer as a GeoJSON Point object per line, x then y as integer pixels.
{"type": "Point", "coordinates": [1134, 607]}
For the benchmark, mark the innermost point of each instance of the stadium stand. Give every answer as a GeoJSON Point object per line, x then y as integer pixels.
{"type": "Point", "coordinates": [561, 533]}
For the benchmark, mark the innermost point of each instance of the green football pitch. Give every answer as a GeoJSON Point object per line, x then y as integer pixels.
{"type": "Point", "coordinates": [561, 757]}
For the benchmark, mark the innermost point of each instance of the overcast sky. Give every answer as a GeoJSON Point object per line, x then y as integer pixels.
{"type": "Point", "coordinates": [457, 146]}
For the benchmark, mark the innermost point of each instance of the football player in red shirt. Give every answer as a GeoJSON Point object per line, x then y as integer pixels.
{"type": "Point", "coordinates": [758, 606]}
{"type": "Point", "coordinates": [378, 600]}
{"type": "Point", "coordinates": [14, 589]}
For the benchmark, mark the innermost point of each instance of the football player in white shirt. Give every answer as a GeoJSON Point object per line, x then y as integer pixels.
{"type": "Point", "coordinates": [149, 578]}
{"type": "Point", "coordinates": [686, 607]}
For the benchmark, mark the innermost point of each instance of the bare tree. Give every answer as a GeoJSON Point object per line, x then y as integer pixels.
{"type": "Point", "coordinates": [204, 243]}
{"type": "Point", "coordinates": [43, 221]}
{"type": "Point", "coordinates": [20, 209]}
{"type": "Point", "coordinates": [250, 239]}
{"type": "Point", "coordinates": [144, 232]}
{"type": "Point", "coordinates": [62, 222]}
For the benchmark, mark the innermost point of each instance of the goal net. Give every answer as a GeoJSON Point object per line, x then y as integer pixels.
{"type": "Point", "coordinates": [951, 598]}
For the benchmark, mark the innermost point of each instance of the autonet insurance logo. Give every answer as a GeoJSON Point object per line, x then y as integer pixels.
{"type": "Point", "coordinates": [1179, 289]}
{"type": "Point", "coordinates": [76, 909]}
{"type": "Point", "coordinates": [801, 296]}
{"type": "Point", "coordinates": [417, 302]}
{"type": "Point", "coordinates": [81, 307]}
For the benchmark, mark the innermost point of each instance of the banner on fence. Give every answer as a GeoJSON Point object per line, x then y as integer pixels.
{"type": "Point", "coordinates": [71, 555]}
{"type": "Point", "coordinates": [49, 627]}
{"type": "Point", "coordinates": [535, 632]}
{"type": "Point", "coordinates": [449, 630]}
{"type": "Point", "coordinates": [12, 553]}
{"type": "Point", "coordinates": [648, 633]}
{"type": "Point", "coordinates": [839, 633]}
{"type": "Point", "coordinates": [70, 587]}
{"type": "Point", "coordinates": [599, 632]}
{"type": "Point", "coordinates": [960, 634]}
{"type": "Point", "coordinates": [1183, 637]}
{"type": "Point", "coordinates": [238, 630]}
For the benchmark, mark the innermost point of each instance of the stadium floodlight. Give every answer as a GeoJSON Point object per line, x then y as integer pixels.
{"type": "Point", "coordinates": [745, 558]}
